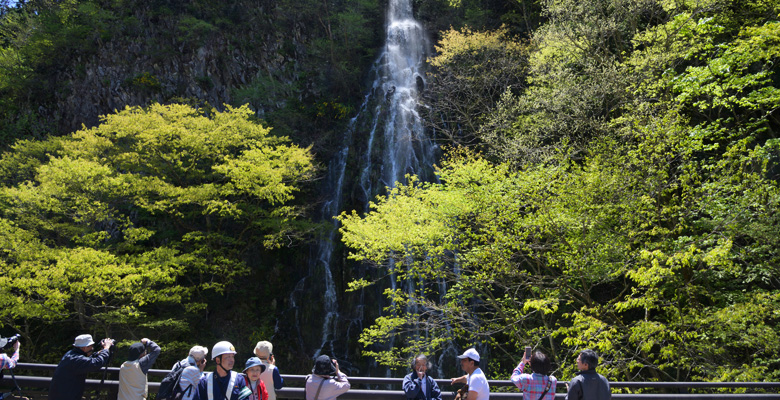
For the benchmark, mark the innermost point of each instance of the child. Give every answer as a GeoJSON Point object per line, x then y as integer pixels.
{"type": "Point", "coordinates": [255, 367]}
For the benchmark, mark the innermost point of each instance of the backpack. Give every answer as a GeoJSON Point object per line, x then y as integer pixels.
{"type": "Point", "coordinates": [170, 383]}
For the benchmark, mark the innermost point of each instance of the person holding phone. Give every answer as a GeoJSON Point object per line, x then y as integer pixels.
{"type": "Point", "coordinates": [418, 384]}
{"type": "Point", "coordinates": [271, 377]}
{"type": "Point", "coordinates": [539, 385]}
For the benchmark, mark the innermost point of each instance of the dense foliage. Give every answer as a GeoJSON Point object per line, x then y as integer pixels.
{"type": "Point", "coordinates": [612, 180]}
{"type": "Point", "coordinates": [132, 225]}
{"type": "Point", "coordinates": [627, 202]}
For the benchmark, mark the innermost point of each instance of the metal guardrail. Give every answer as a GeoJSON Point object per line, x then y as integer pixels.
{"type": "Point", "coordinates": [290, 391]}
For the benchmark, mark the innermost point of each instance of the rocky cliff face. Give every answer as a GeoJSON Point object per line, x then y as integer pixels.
{"type": "Point", "coordinates": [158, 65]}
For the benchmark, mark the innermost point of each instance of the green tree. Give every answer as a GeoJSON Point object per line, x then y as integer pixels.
{"type": "Point", "coordinates": [468, 75]}
{"type": "Point", "coordinates": [136, 223]}
{"type": "Point", "coordinates": [646, 230]}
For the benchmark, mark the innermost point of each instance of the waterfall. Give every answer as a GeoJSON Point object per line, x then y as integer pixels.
{"type": "Point", "coordinates": [386, 141]}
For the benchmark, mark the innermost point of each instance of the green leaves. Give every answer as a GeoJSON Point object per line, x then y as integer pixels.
{"type": "Point", "coordinates": [139, 214]}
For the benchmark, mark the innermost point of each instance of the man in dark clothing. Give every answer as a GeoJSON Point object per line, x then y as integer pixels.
{"type": "Point", "coordinates": [418, 384]}
{"type": "Point", "coordinates": [224, 383]}
{"type": "Point", "coordinates": [588, 385]}
{"type": "Point", "coordinates": [67, 383]}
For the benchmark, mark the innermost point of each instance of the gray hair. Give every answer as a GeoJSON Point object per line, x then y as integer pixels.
{"type": "Point", "coordinates": [264, 349]}
{"type": "Point", "coordinates": [198, 352]}
{"type": "Point", "coordinates": [421, 357]}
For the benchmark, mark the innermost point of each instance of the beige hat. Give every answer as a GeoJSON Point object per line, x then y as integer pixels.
{"type": "Point", "coordinates": [83, 341]}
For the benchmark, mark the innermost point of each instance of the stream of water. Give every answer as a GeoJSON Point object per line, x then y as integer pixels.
{"type": "Point", "coordinates": [386, 140]}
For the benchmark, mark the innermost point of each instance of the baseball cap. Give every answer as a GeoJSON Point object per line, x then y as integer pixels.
{"type": "Point", "coordinates": [470, 353]}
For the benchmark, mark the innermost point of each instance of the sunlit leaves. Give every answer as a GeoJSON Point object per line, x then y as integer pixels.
{"type": "Point", "coordinates": [140, 213]}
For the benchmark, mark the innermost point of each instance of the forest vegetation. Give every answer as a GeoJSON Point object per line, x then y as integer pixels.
{"type": "Point", "coordinates": [610, 178]}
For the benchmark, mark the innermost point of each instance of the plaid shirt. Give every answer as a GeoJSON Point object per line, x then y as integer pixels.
{"type": "Point", "coordinates": [9, 362]}
{"type": "Point", "coordinates": [533, 385]}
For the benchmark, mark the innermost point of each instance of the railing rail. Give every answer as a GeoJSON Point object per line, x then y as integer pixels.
{"type": "Point", "coordinates": [293, 387]}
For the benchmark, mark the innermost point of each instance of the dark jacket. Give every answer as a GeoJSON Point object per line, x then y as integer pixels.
{"type": "Point", "coordinates": [220, 387]}
{"type": "Point", "coordinates": [588, 385]}
{"type": "Point", "coordinates": [67, 383]}
{"type": "Point", "coordinates": [413, 385]}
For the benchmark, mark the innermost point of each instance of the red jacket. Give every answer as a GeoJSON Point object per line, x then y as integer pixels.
{"type": "Point", "coordinates": [259, 392]}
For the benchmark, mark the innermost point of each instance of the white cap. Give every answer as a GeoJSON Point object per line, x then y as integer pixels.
{"type": "Point", "coordinates": [470, 353]}
{"type": "Point", "coordinates": [222, 348]}
{"type": "Point", "coordinates": [83, 341]}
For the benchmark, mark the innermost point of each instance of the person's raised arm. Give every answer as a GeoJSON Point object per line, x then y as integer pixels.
{"type": "Point", "coordinates": [152, 352]}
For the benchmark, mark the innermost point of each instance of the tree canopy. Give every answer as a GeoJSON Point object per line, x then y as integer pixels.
{"type": "Point", "coordinates": [626, 202]}
{"type": "Point", "coordinates": [134, 223]}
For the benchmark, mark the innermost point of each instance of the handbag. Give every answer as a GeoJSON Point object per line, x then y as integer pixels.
{"type": "Point", "coordinates": [462, 393]}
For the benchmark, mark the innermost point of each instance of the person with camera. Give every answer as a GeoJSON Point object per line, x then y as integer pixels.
{"type": "Point", "coordinates": [588, 385]}
{"type": "Point", "coordinates": [475, 379]}
{"type": "Point", "coordinates": [132, 374]}
{"type": "Point", "coordinates": [271, 377]}
{"type": "Point", "coordinates": [69, 378]}
{"type": "Point", "coordinates": [418, 384]}
{"type": "Point", "coordinates": [9, 362]}
{"type": "Point", "coordinates": [539, 385]}
{"type": "Point", "coordinates": [326, 382]}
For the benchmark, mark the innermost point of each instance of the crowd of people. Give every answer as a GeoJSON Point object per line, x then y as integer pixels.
{"type": "Point", "coordinates": [260, 378]}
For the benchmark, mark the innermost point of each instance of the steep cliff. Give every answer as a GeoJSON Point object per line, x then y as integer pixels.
{"type": "Point", "coordinates": [85, 59]}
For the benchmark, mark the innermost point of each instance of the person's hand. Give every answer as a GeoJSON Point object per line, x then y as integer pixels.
{"type": "Point", "coordinates": [336, 363]}
{"type": "Point", "coordinates": [567, 387]}
{"type": "Point", "coordinates": [107, 342]}
{"type": "Point", "coordinates": [526, 358]}
{"type": "Point", "coordinates": [145, 341]}
{"type": "Point", "coordinates": [271, 360]}
{"type": "Point", "coordinates": [16, 345]}
{"type": "Point", "coordinates": [421, 374]}
{"type": "Point", "coordinates": [460, 379]}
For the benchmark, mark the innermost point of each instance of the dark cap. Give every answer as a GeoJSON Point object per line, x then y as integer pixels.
{"type": "Point", "coordinates": [135, 351]}
{"type": "Point", "coordinates": [324, 366]}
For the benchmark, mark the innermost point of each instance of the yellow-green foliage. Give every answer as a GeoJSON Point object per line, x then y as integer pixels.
{"type": "Point", "coordinates": [468, 44]}
{"type": "Point", "coordinates": [140, 213]}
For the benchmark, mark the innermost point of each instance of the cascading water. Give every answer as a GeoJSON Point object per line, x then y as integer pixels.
{"type": "Point", "coordinates": [387, 141]}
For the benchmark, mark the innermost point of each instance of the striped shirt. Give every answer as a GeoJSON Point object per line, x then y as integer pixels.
{"type": "Point", "coordinates": [9, 362]}
{"type": "Point", "coordinates": [533, 385]}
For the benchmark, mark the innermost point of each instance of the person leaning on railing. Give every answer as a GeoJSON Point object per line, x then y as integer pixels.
{"type": "Point", "coordinates": [478, 386]}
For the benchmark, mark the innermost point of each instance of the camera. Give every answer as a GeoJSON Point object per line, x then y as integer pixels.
{"type": "Point", "coordinates": [7, 343]}
{"type": "Point", "coordinates": [111, 348]}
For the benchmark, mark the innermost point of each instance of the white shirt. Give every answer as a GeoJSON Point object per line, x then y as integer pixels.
{"type": "Point", "coordinates": [478, 383]}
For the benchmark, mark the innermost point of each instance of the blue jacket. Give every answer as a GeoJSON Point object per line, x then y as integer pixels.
{"type": "Point", "coordinates": [413, 388]}
{"type": "Point", "coordinates": [220, 386]}
{"type": "Point", "coordinates": [67, 383]}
